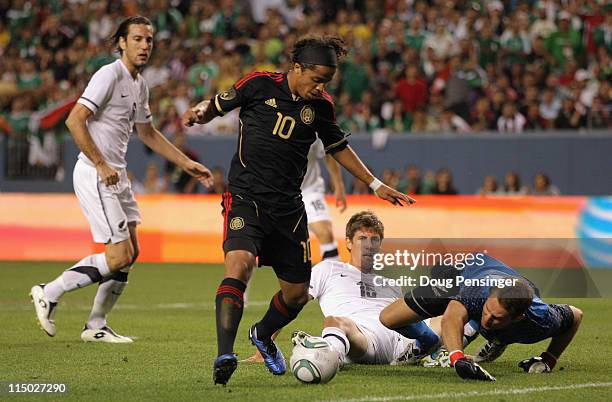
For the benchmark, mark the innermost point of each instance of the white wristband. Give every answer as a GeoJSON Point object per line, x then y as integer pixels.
{"type": "Point", "coordinates": [375, 185]}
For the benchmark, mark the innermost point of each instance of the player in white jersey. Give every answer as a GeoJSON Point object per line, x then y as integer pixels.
{"type": "Point", "coordinates": [313, 195]}
{"type": "Point", "coordinates": [115, 102]}
{"type": "Point", "coordinates": [351, 303]}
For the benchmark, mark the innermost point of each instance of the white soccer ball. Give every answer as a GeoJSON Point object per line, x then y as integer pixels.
{"type": "Point", "coordinates": [313, 361]}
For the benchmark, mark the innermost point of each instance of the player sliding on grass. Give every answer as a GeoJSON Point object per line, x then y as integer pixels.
{"type": "Point", "coordinates": [351, 303]}
{"type": "Point", "coordinates": [115, 101]}
{"type": "Point", "coordinates": [506, 315]}
{"type": "Point", "coordinates": [281, 115]}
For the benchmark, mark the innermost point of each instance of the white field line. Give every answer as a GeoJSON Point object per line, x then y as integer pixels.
{"type": "Point", "coordinates": [469, 394]}
{"type": "Point", "coordinates": [127, 306]}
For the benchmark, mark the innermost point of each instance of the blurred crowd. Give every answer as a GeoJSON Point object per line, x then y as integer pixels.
{"type": "Point", "coordinates": [414, 66]}
{"type": "Point", "coordinates": [440, 182]}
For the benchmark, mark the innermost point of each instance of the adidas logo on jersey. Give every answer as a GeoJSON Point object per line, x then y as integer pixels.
{"type": "Point", "coordinates": [271, 102]}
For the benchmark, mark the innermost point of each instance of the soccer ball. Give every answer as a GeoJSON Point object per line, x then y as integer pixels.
{"type": "Point", "coordinates": [313, 361]}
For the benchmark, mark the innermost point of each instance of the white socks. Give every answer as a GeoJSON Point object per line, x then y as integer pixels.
{"type": "Point", "coordinates": [90, 269]}
{"type": "Point", "coordinates": [108, 293]}
{"type": "Point", "coordinates": [329, 251]}
{"type": "Point", "coordinates": [337, 340]}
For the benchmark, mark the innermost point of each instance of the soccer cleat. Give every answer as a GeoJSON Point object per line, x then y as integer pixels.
{"type": "Point", "coordinates": [45, 310]}
{"type": "Point", "coordinates": [411, 355]}
{"type": "Point", "coordinates": [439, 358]}
{"type": "Point", "coordinates": [273, 357]}
{"type": "Point", "coordinates": [224, 367]}
{"type": "Point", "coordinates": [104, 334]}
{"type": "Point", "coordinates": [298, 336]}
{"type": "Point", "coordinates": [490, 351]}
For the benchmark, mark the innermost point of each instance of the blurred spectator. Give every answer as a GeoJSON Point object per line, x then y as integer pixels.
{"type": "Point", "coordinates": [220, 185]}
{"type": "Point", "coordinates": [451, 122]}
{"type": "Point", "coordinates": [358, 187]}
{"type": "Point", "coordinates": [512, 185]}
{"type": "Point", "coordinates": [429, 182]}
{"type": "Point", "coordinates": [565, 43]}
{"type": "Point", "coordinates": [157, 73]}
{"type": "Point", "coordinates": [175, 177]}
{"type": "Point", "coordinates": [153, 183]}
{"type": "Point", "coordinates": [135, 184]}
{"type": "Point", "coordinates": [549, 107]}
{"type": "Point", "coordinates": [482, 118]}
{"type": "Point", "coordinates": [391, 178]}
{"type": "Point", "coordinates": [543, 186]}
{"type": "Point", "coordinates": [533, 121]}
{"type": "Point", "coordinates": [400, 121]}
{"type": "Point", "coordinates": [598, 116]}
{"type": "Point", "coordinates": [422, 122]}
{"type": "Point", "coordinates": [441, 41]}
{"type": "Point", "coordinates": [571, 115]}
{"type": "Point", "coordinates": [444, 183]}
{"type": "Point", "coordinates": [411, 183]}
{"type": "Point", "coordinates": [411, 90]}
{"type": "Point", "coordinates": [349, 120]}
{"type": "Point", "coordinates": [511, 120]}
{"type": "Point", "coordinates": [489, 186]}
{"type": "Point", "coordinates": [18, 132]}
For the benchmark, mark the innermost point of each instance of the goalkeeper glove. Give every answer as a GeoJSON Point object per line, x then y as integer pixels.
{"type": "Point", "coordinates": [467, 369]}
{"type": "Point", "coordinates": [539, 364]}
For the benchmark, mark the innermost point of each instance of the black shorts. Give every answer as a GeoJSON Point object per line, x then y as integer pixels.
{"type": "Point", "coordinates": [278, 238]}
{"type": "Point", "coordinates": [431, 301]}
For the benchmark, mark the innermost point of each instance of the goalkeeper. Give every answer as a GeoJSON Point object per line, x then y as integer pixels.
{"type": "Point", "coordinates": [513, 314]}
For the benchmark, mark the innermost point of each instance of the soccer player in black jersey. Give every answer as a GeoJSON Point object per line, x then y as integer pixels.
{"type": "Point", "coordinates": [280, 115]}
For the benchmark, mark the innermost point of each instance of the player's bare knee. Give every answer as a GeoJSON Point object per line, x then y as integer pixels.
{"type": "Point", "coordinates": [296, 299]}
{"type": "Point", "coordinates": [120, 258]}
{"type": "Point", "coordinates": [578, 314]}
{"type": "Point", "coordinates": [239, 264]}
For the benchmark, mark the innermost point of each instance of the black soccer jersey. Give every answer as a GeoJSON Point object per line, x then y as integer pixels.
{"type": "Point", "coordinates": [276, 131]}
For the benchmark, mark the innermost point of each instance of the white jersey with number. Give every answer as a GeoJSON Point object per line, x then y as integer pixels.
{"type": "Point", "coordinates": [117, 101]}
{"type": "Point", "coordinates": [344, 291]}
{"type": "Point", "coordinates": [313, 181]}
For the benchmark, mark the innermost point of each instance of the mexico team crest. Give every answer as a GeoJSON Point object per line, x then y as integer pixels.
{"type": "Point", "coordinates": [236, 223]}
{"type": "Point", "coordinates": [307, 114]}
{"type": "Point", "coordinates": [229, 94]}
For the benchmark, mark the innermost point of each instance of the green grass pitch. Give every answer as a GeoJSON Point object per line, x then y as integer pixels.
{"type": "Point", "coordinates": [170, 310]}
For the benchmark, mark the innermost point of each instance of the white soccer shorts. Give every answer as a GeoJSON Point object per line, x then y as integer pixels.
{"type": "Point", "coordinates": [316, 207]}
{"type": "Point", "coordinates": [108, 209]}
{"type": "Point", "coordinates": [384, 345]}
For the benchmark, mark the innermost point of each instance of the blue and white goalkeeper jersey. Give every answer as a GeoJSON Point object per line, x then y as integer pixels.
{"type": "Point", "coordinates": [541, 320]}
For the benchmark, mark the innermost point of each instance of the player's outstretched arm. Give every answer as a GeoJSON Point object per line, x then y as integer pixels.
{"type": "Point", "coordinates": [547, 360]}
{"type": "Point", "coordinates": [77, 125]}
{"type": "Point", "coordinates": [351, 162]}
{"type": "Point", "coordinates": [335, 175]}
{"type": "Point", "coordinates": [201, 113]}
{"type": "Point", "coordinates": [454, 319]}
{"type": "Point", "coordinates": [160, 144]}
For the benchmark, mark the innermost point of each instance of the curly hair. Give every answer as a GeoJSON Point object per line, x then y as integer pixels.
{"type": "Point", "coordinates": [333, 42]}
{"type": "Point", "coordinates": [364, 220]}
